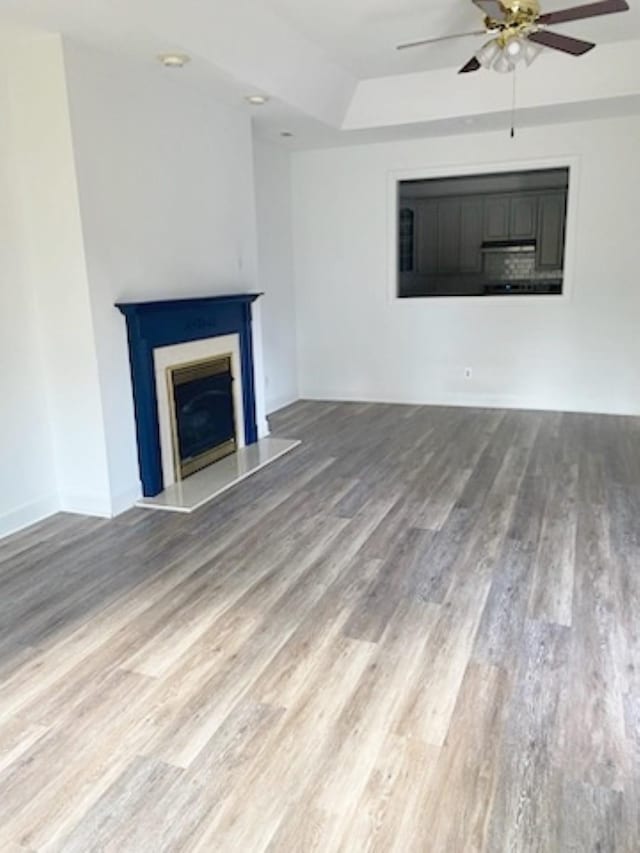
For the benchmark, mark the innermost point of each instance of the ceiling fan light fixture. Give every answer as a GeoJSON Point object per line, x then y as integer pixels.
{"type": "Point", "coordinates": [503, 64]}
{"type": "Point", "coordinates": [514, 49]}
{"type": "Point", "coordinates": [488, 53]}
{"type": "Point", "coordinates": [531, 51]}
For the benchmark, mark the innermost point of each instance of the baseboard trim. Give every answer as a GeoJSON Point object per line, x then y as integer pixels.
{"type": "Point", "coordinates": [28, 514]}
{"type": "Point", "coordinates": [477, 401]}
{"type": "Point", "coordinates": [281, 403]}
{"type": "Point", "coordinates": [97, 506]}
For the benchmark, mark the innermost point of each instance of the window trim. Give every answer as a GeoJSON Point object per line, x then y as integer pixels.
{"type": "Point", "coordinates": [395, 176]}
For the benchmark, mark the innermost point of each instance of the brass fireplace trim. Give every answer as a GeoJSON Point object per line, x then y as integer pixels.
{"type": "Point", "coordinates": [180, 374]}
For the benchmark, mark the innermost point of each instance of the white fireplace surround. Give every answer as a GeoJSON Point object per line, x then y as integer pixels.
{"type": "Point", "coordinates": [184, 353]}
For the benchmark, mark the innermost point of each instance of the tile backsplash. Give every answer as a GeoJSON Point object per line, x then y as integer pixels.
{"type": "Point", "coordinates": [515, 266]}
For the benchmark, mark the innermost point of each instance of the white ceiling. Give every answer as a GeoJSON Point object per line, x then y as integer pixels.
{"type": "Point", "coordinates": [318, 59]}
{"type": "Point", "coordinates": [361, 35]}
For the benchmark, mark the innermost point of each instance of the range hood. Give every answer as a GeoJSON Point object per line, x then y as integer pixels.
{"type": "Point", "coordinates": [509, 246]}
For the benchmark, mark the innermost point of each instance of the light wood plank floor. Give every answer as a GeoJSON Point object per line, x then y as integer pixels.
{"type": "Point", "coordinates": [418, 632]}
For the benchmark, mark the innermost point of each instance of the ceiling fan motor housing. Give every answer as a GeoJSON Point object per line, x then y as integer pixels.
{"type": "Point", "coordinates": [520, 17]}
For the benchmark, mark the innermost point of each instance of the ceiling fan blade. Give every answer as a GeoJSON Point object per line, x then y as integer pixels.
{"type": "Point", "coordinates": [492, 8]}
{"type": "Point", "coordinates": [576, 47]}
{"type": "Point", "coordinates": [472, 65]}
{"type": "Point", "coordinates": [441, 38]}
{"type": "Point", "coordinates": [591, 10]}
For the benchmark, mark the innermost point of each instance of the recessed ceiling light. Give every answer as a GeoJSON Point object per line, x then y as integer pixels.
{"type": "Point", "coordinates": [174, 60]}
{"type": "Point", "coordinates": [257, 100]}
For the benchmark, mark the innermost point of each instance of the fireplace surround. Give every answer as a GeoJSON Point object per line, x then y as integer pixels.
{"type": "Point", "coordinates": [152, 326]}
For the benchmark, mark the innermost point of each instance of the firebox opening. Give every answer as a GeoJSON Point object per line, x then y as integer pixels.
{"type": "Point", "coordinates": [202, 413]}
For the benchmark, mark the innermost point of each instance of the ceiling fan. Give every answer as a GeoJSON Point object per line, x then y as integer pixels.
{"type": "Point", "coordinates": [518, 30]}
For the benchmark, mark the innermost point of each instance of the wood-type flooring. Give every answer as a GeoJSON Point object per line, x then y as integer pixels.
{"type": "Point", "coordinates": [420, 631]}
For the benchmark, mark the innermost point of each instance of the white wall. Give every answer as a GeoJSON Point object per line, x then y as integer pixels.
{"type": "Point", "coordinates": [28, 489]}
{"type": "Point", "coordinates": [167, 197]}
{"type": "Point", "coordinates": [49, 242]}
{"type": "Point", "coordinates": [356, 342]}
{"type": "Point", "coordinates": [275, 261]}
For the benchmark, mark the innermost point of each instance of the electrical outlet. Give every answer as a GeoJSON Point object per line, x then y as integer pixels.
{"type": "Point", "coordinates": [468, 373]}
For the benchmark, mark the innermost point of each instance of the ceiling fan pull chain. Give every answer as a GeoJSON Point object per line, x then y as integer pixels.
{"type": "Point", "coordinates": [513, 105]}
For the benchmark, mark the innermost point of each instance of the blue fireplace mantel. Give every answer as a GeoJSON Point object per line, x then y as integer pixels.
{"type": "Point", "coordinates": [159, 324]}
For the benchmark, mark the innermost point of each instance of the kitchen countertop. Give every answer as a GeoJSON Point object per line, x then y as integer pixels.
{"type": "Point", "coordinates": [415, 286]}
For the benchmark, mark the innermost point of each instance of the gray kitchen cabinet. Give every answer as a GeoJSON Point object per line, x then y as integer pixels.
{"type": "Point", "coordinates": [471, 235]}
{"type": "Point", "coordinates": [551, 230]}
{"type": "Point", "coordinates": [497, 217]}
{"type": "Point", "coordinates": [523, 217]}
{"type": "Point", "coordinates": [449, 235]}
{"type": "Point", "coordinates": [427, 236]}
{"type": "Point", "coordinates": [511, 217]}
{"type": "Point", "coordinates": [449, 232]}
